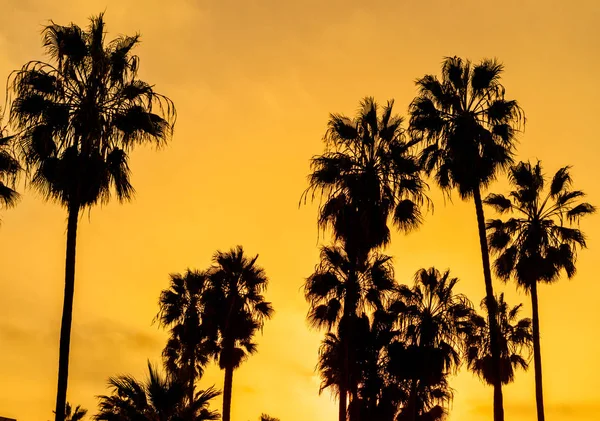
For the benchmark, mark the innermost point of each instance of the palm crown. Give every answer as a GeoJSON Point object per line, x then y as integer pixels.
{"type": "Point", "coordinates": [367, 174]}
{"type": "Point", "coordinates": [466, 124]}
{"type": "Point", "coordinates": [537, 243]}
{"type": "Point", "coordinates": [181, 309]}
{"type": "Point", "coordinates": [159, 398]}
{"type": "Point", "coordinates": [80, 115]}
{"type": "Point", "coordinates": [235, 308]}
{"type": "Point", "coordinates": [514, 336]}
{"type": "Point", "coordinates": [338, 287]}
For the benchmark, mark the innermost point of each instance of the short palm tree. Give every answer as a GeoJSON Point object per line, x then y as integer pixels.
{"type": "Point", "coordinates": [432, 319]}
{"type": "Point", "coordinates": [367, 176]}
{"type": "Point", "coordinates": [181, 310]}
{"type": "Point", "coordinates": [235, 310]}
{"type": "Point", "coordinates": [539, 241]}
{"type": "Point", "coordinates": [265, 417]}
{"type": "Point", "coordinates": [78, 116]}
{"type": "Point", "coordinates": [339, 293]}
{"type": "Point", "coordinates": [515, 338]}
{"type": "Point", "coordinates": [467, 128]}
{"type": "Point", "coordinates": [9, 169]}
{"type": "Point", "coordinates": [158, 398]}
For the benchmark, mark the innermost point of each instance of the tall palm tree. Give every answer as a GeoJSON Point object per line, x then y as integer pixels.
{"type": "Point", "coordinates": [9, 169]}
{"type": "Point", "coordinates": [432, 319]}
{"type": "Point", "coordinates": [366, 176]}
{"type": "Point", "coordinates": [181, 310]}
{"type": "Point", "coordinates": [515, 338]}
{"type": "Point", "coordinates": [539, 241]}
{"type": "Point", "coordinates": [235, 310]}
{"type": "Point", "coordinates": [467, 127]}
{"type": "Point", "coordinates": [78, 117]}
{"type": "Point", "coordinates": [158, 398]}
{"type": "Point", "coordinates": [339, 293]}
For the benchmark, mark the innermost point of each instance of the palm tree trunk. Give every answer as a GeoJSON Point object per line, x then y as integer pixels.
{"type": "Point", "coordinates": [227, 389]}
{"type": "Point", "coordinates": [491, 305]}
{"type": "Point", "coordinates": [537, 354]}
{"type": "Point", "coordinates": [191, 391]}
{"type": "Point", "coordinates": [67, 314]}
{"type": "Point", "coordinates": [343, 403]}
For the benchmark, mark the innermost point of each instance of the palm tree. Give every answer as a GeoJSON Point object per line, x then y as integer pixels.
{"type": "Point", "coordinates": [181, 309]}
{"type": "Point", "coordinates": [432, 319]}
{"type": "Point", "coordinates": [234, 311]}
{"type": "Point", "coordinates": [265, 417]}
{"type": "Point", "coordinates": [514, 336]}
{"type": "Point", "coordinates": [367, 176]}
{"type": "Point", "coordinates": [539, 242]}
{"type": "Point", "coordinates": [9, 169]}
{"type": "Point", "coordinates": [74, 415]}
{"type": "Point", "coordinates": [78, 116]}
{"type": "Point", "coordinates": [159, 398]}
{"type": "Point", "coordinates": [468, 131]}
{"type": "Point", "coordinates": [339, 293]}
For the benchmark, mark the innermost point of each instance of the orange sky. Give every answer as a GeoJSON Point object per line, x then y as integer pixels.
{"type": "Point", "coordinates": [253, 82]}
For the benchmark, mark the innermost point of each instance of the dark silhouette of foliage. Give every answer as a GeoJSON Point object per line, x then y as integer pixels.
{"type": "Point", "coordinates": [340, 293]}
{"type": "Point", "coordinates": [234, 310]}
{"type": "Point", "coordinates": [9, 169]}
{"type": "Point", "coordinates": [366, 176]}
{"type": "Point", "coordinates": [265, 417]}
{"type": "Point", "coordinates": [78, 116]}
{"type": "Point", "coordinates": [514, 336]}
{"type": "Point", "coordinates": [467, 128]}
{"type": "Point", "coordinates": [188, 349]}
{"type": "Point", "coordinates": [432, 319]}
{"type": "Point", "coordinates": [538, 242]}
{"type": "Point", "coordinates": [76, 414]}
{"type": "Point", "coordinates": [158, 398]}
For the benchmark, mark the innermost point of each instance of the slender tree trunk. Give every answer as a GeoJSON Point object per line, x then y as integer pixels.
{"type": "Point", "coordinates": [343, 403]}
{"type": "Point", "coordinates": [491, 305]}
{"type": "Point", "coordinates": [67, 314]}
{"type": "Point", "coordinates": [227, 389]}
{"type": "Point", "coordinates": [191, 391]}
{"type": "Point", "coordinates": [537, 354]}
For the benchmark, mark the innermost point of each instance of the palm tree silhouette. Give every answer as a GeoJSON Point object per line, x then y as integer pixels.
{"type": "Point", "coordinates": [9, 169]}
{"type": "Point", "coordinates": [433, 319]}
{"type": "Point", "coordinates": [159, 397]}
{"type": "Point", "coordinates": [234, 311]}
{"type": "Point", "coordinates": [339, 293]}
{"type": "Point", "coordinates": [265, 417]}
{"type": "Point", "coordinates": [539, 242]}
{"type": "Point", "coordinates": [78, 116]}
{"type": "Point", "coordinates": [181, 309]}
{"type": "Point", "coordinates": [74, 415]}
{"type": "Point", "coordinates": [467, 128]}
{"type": "Point", "coordinates": [366, 176]}
{"type": "Point", "coordinates": [515, 338]}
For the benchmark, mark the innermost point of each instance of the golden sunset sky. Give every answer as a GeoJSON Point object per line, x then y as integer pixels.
{"type": "Point", "coordinates": [253, 82]}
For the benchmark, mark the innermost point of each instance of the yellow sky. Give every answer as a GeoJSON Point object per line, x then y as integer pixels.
{"type": "Point", "coordinates": [253, 82]}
